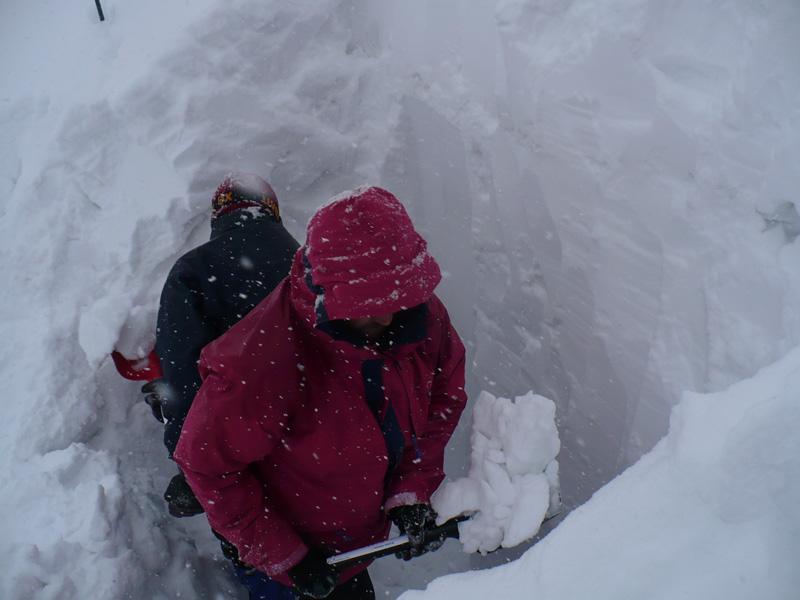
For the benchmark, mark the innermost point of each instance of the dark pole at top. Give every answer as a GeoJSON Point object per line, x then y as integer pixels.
{"type": "Point", "coordinates": [99, 10]}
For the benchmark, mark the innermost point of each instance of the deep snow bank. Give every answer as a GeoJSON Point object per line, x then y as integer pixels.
{"type": "Point", "coordinates": [712, 512]}
{"type": "Point", "coordinates": [587, 175]}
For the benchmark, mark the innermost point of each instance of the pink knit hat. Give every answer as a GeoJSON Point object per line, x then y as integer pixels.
{"type": "Point", "coordinates": [363, 257]}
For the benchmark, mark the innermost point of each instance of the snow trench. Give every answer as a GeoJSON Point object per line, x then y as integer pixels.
{"type": "Point", "coordinates": [589, 178]}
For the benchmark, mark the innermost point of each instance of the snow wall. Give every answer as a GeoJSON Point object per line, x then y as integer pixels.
{"type": "Point", "coordinates": [588, 176]}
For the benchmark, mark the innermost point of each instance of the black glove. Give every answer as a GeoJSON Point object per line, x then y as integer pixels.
{"type": "Point", "coordinates": [154, 395]}
{"type": "Point", "coordinates": [180, 498]}
{"type": "Point", "coordinates": [230, 552]}
{"type": "Point", "coordinates": [313, 577]}
{"type": "Point", "coordinates": [416, 520]}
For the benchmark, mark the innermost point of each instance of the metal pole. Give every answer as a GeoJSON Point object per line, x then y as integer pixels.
{"type": "Point", "coordinates": [354, 557]}
{"type": "Point", "coordinates": [99, 10]}
{"type": "Point", "coordinates": [448, 529]}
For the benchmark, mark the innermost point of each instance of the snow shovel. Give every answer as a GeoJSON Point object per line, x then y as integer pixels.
{"type": "Point", "coordinates": [448, 529]}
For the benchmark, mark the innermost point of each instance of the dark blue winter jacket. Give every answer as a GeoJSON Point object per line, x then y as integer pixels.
{"type": "Point", "coordinates": [208, 290]}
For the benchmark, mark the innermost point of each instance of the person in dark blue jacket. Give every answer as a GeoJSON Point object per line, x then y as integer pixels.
{"type": "Point", "coordinates": [208, 290]}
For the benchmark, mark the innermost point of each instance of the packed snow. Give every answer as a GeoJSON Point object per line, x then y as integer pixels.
{"type": "Point", "coordinates": [610, 189]}
{"type": "Point", "coordinates": [512, 482]}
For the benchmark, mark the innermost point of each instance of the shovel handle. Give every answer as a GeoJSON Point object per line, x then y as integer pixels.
{"type": "Point", "coordinates": [448, 529]}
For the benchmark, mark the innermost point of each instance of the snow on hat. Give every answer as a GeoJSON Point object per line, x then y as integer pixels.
{"type": "Point", "coordinates": [364, 258]}
{"type": "Point", "coordinates": [244, 190]}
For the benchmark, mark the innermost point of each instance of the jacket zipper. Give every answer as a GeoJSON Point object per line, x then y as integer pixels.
{"type": "Point", "coordinates": [417, 452]}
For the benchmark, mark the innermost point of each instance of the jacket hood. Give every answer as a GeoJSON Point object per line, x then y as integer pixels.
{"type": "Point", "coordinates": [362, 258]}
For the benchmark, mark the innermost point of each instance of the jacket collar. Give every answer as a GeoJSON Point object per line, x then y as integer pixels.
{"type": "Point", "coordinates": [408, 327]}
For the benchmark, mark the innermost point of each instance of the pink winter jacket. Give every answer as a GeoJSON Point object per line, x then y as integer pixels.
{"type": "Point", "coordinates": [305, 435]}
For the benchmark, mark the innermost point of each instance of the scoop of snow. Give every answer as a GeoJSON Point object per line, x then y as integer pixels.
{"type": "Point", "coordinates": [513, 476]}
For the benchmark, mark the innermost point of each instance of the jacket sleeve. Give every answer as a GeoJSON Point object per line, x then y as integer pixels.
{"type": "Point", "coordinates": [184, 328]}
{"type": "Point", "coordinates": [421, 469]}
{"type": "Point", "coordinates": [227, 430]}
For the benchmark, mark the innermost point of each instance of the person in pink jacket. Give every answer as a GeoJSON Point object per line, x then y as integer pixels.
{"type": "Point", "coordinates": [323, 415]}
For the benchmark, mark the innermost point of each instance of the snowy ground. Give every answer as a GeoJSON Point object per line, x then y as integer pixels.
{"type": "Point", "coordinates": [588, 174]}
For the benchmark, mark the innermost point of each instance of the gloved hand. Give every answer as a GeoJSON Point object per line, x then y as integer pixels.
{"type": "Point", "coordinates": [180, 498]}
{"type": "Point", "coordinates": [416, 520]}
{"type": "Point", "coordinates": [313, 577]}
{"type": "Point", "coordinates": [230, 552]}
{"type": "Point", "coordinates": [154, 395]}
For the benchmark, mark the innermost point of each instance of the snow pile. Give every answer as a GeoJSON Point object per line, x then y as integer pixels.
{"type": "Point", "coordinates": [513, 477]}
{"type": "Point", "coordinates": [712, 513]}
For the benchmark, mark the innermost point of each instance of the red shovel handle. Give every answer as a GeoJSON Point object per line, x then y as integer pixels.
{"type": "Point", "coordinates": [137, 369]}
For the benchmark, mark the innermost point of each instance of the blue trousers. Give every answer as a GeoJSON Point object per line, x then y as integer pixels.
{"type": "Point", "coordinates": [262, 587]}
